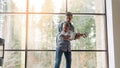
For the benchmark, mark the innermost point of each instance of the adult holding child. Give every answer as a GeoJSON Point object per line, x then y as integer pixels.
{"type": "Point", "coordinates": [63, 44]}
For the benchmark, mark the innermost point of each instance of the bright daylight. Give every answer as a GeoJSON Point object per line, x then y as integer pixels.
{"type": "Point", "coordinates": [29, 28]}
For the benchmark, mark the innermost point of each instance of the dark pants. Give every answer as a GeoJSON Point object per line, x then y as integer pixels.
{"type": "Point", "coordinates": [59, 56]}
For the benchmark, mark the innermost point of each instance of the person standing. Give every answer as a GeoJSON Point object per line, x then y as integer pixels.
{"type": "Point", "coordinates": [63, 45]}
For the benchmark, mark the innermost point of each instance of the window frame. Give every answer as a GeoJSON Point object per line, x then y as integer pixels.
{"type": "Point", "coordinates": [26, 50]}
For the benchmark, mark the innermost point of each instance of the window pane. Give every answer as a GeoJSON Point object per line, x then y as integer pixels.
{"type": "Point", "coordinates": [13, 30]}
{"type": "Point", "coordinates": [86, 6]}
{"type": "Point", "coordinates": [14, 59]}
{"type": "Point", "coordinates": [79, 60]}
{"type": "Point", "coordinates": [47, 6]}
{"type": "Point", "coordinates": [13, 6]}
{"type": "Point", "coordinates": [42, 31]}
{"type": "Point", "coordinates": [89, 60]}
{"type": "Point", "coordinates": [94, 27]}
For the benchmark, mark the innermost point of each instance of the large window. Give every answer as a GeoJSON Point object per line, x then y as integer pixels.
{"type": "Point", "coordinates": [29, 29]}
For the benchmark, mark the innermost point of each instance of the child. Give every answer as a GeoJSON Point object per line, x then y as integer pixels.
{"type": "Point", "coordinates": [66, 35]}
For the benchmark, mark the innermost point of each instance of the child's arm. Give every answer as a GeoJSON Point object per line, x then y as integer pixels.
{"type": "Point", "coordinates": [72, 35]}
{"type": "Point", "coordinates": [63, 37]}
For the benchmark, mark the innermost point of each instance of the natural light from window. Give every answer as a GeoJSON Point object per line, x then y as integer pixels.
{"type": "Point", "coordinates": [29, 28]}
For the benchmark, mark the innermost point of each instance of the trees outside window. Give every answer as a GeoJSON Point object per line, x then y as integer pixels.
{"type": "Point", "coordinates": [29, 29]}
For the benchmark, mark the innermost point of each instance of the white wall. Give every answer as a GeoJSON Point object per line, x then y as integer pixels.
{"type": "Point", "coordinates": [110, 34]}
{"type": "Point", "coordinates": [116, 30]}
{"type": "Point", "coordinates": [113, 16]}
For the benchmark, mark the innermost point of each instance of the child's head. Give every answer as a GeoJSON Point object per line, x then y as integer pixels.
{"type": "Point", "coordinates": [66, 27]}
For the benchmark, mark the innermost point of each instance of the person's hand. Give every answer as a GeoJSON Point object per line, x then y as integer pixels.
{"type": "Point", "coordinates": [84, 35]}
{"type": "Point", "coordinates": [66, 37]}
{"type": "Point", "coordinates": [78, 35]}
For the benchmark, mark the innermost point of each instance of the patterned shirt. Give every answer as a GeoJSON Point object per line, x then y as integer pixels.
{"type": "Point", "coordinates": [64, 45]}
